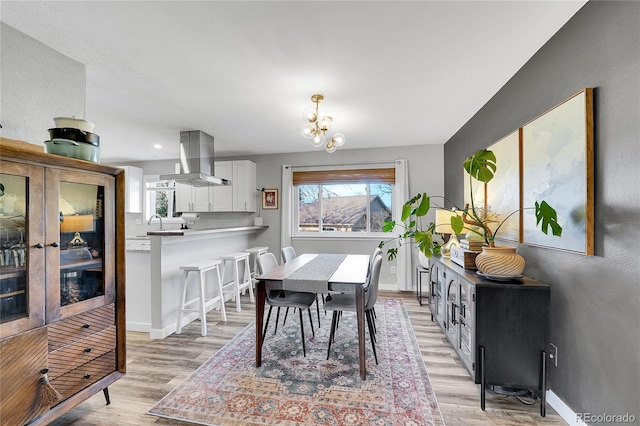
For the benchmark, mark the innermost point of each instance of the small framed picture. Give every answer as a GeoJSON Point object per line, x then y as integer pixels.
{"type": "Point", "coordinates": [270, 199]}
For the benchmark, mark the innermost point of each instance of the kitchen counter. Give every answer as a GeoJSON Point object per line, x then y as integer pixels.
{"type": "Point", "coordinates": [191, 232]}
{"type": "Point", "coordinates": [153, 298]}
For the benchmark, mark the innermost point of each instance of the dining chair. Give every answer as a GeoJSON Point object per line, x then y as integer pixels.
{"type": "Point", "coordinates": [347, 302]}
{"type": "Point", "coordinates": [289, 253]}
{"type": "Point", "coordinates": [267, 262]}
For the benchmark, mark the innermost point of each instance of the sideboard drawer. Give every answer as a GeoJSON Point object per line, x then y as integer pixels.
{"type": "Point", "coordinates": [70, 383]}
{"type": "Point", "coordinates": [71, 356]}
{"type": "Point", "coordinates": [69, 330]}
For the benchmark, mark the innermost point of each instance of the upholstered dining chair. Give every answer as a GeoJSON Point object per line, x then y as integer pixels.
{"type": "Point", "coordinates": [267, 262]}
{"type": "Point", "coordinates": [289, 253]}
{"type": "Point", "coordinates": [347, 302]}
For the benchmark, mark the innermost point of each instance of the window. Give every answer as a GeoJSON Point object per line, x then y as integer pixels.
{"type": "Point", "coordinates": [332, 201]}
{"type": "Point", "coordinates": [160, 197]}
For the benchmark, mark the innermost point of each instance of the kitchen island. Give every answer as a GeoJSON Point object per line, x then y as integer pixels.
{"type": "Point", "coordinates": [153, 305]}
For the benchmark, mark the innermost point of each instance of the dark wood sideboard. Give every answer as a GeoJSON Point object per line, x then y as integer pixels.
{"type": "Point", "coordinates": [500, 330]}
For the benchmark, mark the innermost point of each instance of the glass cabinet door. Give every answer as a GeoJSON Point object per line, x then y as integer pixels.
{"type": "Point", "coordinates": [78, 216]}
{"type": "Point", "coordinates": [81, 242]}
{"type": "Point", "coordinates": [21, 248]}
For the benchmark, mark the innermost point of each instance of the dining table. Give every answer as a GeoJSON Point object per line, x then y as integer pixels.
{"type": "Point", "coordinates": [317, 273]}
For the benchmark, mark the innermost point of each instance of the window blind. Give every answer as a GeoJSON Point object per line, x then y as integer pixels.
{"type": "Point", "coordinates": [382, 175]}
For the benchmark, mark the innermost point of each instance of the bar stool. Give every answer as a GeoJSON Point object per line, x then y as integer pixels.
{"type": "Point", "coordinates": [254, 253]}
{"type": "Point", "coordinates": [240, 283]}
{"type": "Point", "coordinates": [203, 303]}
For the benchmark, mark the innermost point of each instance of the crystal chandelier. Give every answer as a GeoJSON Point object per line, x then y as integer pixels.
{"type": "Point", "coordinates": [316, 127]}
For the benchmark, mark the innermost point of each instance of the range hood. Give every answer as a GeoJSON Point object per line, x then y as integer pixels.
{"type": "Point", "coordinates": [196, 161]}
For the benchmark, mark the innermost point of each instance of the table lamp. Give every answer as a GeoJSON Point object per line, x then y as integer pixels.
{"type": "Point", "coordinates": [77, 223]}
{"type": "Point", "coordinates": [443, 226]}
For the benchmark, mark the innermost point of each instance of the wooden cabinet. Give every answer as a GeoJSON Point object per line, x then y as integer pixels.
{"type": "Point", "coordinates": [62, 285]}
{"type": "Point", "coordinates": [240, 196]}
{"type": "Point", "coordinates": [500, 330]}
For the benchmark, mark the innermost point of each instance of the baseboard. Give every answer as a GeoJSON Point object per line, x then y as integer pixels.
{"type": "Point", "coordinates": [567, 414]}
{"type": "Point", "coordinates": [138, 326]}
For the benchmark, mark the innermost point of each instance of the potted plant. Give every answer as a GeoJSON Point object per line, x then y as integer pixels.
{"type": "Point", "coordinates": [481, 166]}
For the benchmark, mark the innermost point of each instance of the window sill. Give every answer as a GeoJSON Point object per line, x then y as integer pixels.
{"type": "Point", "coordinates": [341, 236]}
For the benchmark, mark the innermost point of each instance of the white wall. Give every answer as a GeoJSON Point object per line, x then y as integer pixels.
{"type": "Point", "coordinates": [37, 84]}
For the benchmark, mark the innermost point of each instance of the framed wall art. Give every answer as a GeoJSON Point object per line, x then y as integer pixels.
{"type": "Point", "coordinates": [503, 191]}
{"type": "Point", "coordinates": [270, 199]}
{"type": "Point", "coordinates": [557, 166]}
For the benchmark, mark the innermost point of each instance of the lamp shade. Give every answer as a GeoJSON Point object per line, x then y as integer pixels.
{"type": "Point", "coordinates": [77, 223]}
{"type": "Point", "coordinates": [443, 221]}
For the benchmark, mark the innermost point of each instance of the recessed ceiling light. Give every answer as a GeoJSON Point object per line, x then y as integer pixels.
{"type": "Point", "coordinates": [157, 146]}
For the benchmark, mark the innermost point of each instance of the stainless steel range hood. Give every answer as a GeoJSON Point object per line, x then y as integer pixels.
{"type": "Point", "coordinates": [196, 161]}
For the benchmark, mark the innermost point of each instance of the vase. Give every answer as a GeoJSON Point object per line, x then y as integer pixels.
{"type": "Point", "coordinates": [423, 260]}
{"type": "Point", "coordinates": [500, 261]}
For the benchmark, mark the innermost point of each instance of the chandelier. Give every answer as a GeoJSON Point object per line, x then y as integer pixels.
{"type": "Point", "coordinates": [316, 127]}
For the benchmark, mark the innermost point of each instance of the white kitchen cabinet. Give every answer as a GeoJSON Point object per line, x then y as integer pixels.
{"type": "Point", "coordinates": [133, 189]}
{"type": "Point", "coordinates": [244, 186]}
{"type": "Point", "coordinates": [223, 195]}
{"type": "Point", "coordinates": [241, 195]}
{"type": "Point", "coordinates": [192, 198]}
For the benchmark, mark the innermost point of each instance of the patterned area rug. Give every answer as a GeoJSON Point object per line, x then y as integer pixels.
{"type": "Point", "coordinates": [290, 389]}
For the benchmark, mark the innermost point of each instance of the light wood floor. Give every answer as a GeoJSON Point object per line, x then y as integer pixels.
{"type": "Point", "coordinates": [155, 367]}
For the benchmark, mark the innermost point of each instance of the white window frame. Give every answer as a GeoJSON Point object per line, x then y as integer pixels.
{"type": "Point", "coordinates": [400, 195]}
{"type": "Point", "coordinates": [148, 210]}
{"type": "Point", "coordinates": [296, 233]}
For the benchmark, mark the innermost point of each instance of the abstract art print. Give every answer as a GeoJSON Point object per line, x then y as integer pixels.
{"type": "Point", "coordinates": [557, 158]}
{"type": "Point", "coordinates": [503, 191]}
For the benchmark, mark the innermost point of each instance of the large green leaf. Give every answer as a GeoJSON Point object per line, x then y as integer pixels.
{"type": "Point", "coordinates": [425, 205]}
{"type": "Point", "coordinates": [547, 215]}
{"type": "Point", "coordinates": [457, 224]}
{"type": "Point", "coordinates": [482, 165]}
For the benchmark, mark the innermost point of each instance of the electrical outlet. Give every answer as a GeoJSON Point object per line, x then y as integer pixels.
{"type": "Point", "coordinates": [392, 270]}
{"type": "Point", "coordinates": [553, 354]}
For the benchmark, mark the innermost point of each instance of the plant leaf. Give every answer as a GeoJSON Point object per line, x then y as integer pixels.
{"type": "Point", "coordinates": [424, 206]}
{"type": "Point", "coordinates": [457, 224]}
{"type": "Point", "coordinates": [406, 211]}
{"type": "Point", "coordinates": [482, 165]}
{"type": "Point", "coordinates": [546, 216]}
{"type": "Point", "coordinates": [387, 226]}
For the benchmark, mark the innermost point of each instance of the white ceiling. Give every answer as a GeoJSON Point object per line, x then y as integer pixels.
{"type": "Point", "coordinates": [392, 72]}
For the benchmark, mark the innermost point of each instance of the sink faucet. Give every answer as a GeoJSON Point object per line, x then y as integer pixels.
{"type": "Point", "coordinates": [159, 218]}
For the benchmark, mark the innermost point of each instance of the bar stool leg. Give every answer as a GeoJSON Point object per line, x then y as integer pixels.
{"type": "Point", "coordinates": [237, 285]}
{"type": "Point", "coordinates": [223, 311]}
{"type": "Point", "coordinates": [185, 275]}
{"type": "Point", "coordinates": [202, 313]}
{"type": "Point", "coordinates": [247, 278]}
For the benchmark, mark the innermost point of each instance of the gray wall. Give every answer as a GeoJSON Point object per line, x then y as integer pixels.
{"type": "Point", "coordinates": [37, 84]}
{"type": "Point", "coordinates": [595, 301]}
